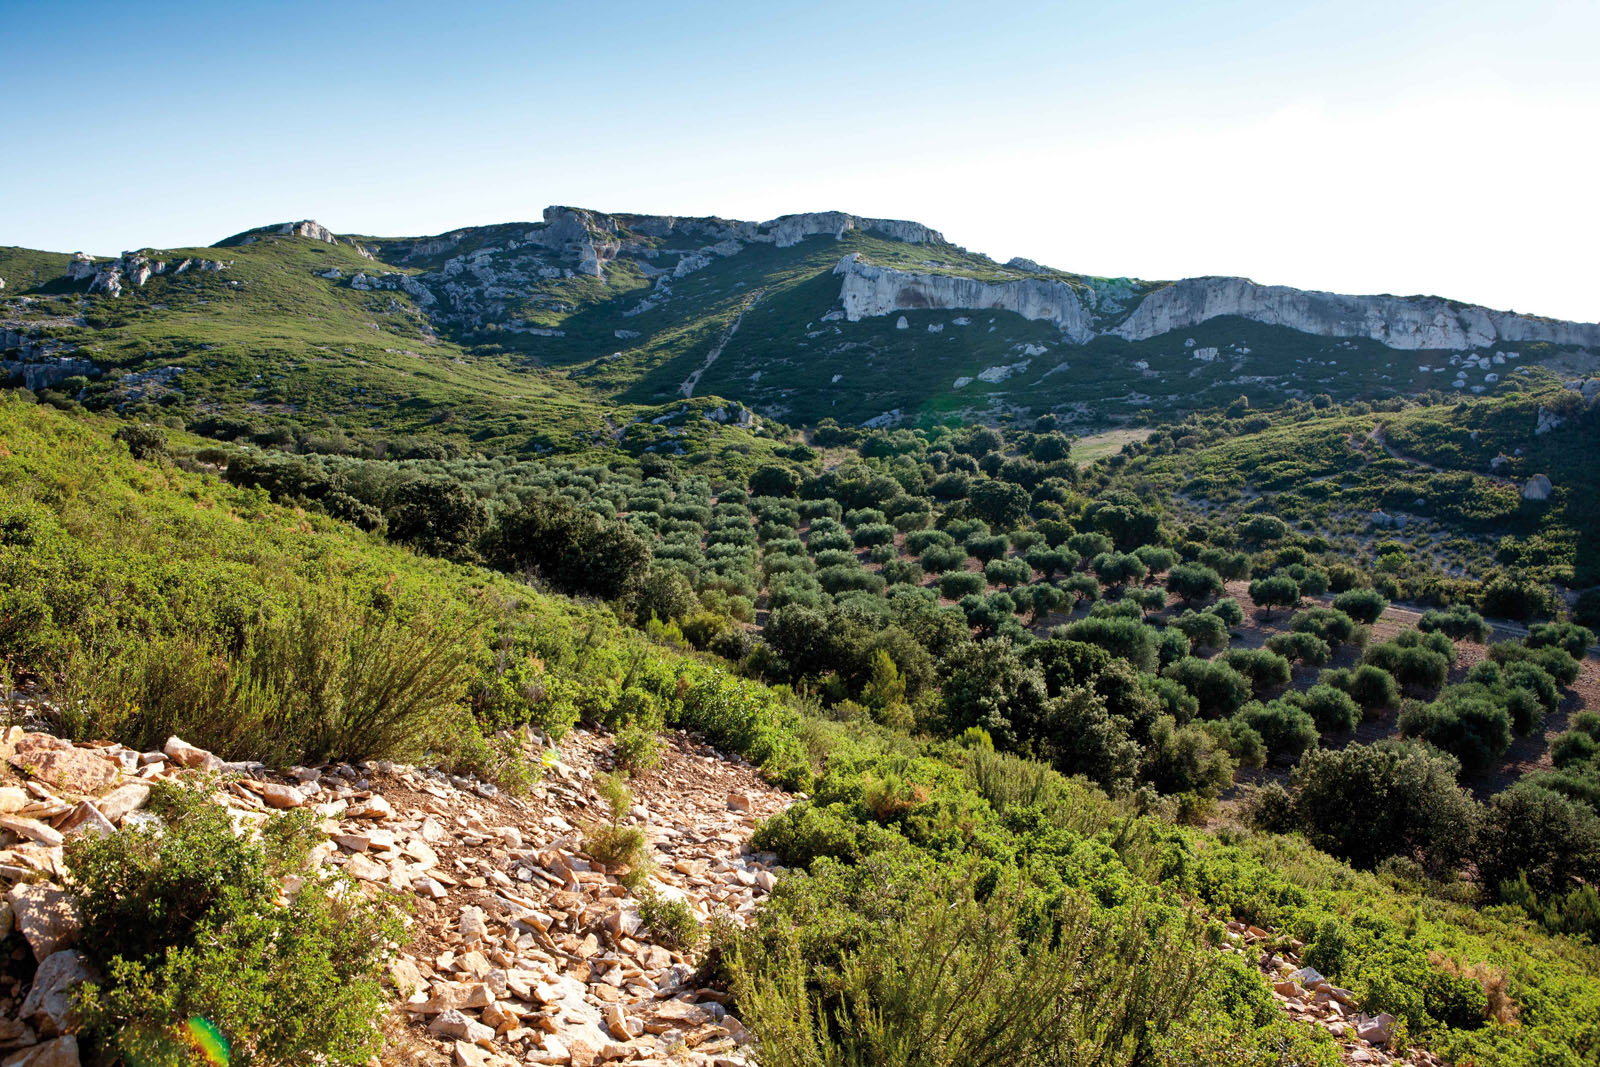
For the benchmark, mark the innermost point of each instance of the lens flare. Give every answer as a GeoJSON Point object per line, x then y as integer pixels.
{"type": "Point", "coordinates": [207, 1040]}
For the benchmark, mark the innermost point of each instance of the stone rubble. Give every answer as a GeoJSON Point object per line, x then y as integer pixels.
{"type": "Point", "coordinates": [524, 948]}
{"type": "Point", "coordinates": [1308, 998]}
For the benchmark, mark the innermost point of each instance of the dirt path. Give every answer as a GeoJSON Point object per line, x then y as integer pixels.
{"type": "Point", "coordinates": [686, 390]}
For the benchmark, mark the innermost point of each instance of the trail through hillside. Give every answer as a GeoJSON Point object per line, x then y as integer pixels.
{"type": "Point", "coordinates": [686, 390]}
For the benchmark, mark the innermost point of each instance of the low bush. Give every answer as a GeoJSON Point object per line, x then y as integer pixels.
{"type": "Point", "coordinates": [185, 922]}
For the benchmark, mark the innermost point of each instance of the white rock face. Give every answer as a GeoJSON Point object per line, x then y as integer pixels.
{"type": "Point", "coordinates": [787, 230]}
{"type": "Point", "coordinates": [1398, 322]}
{"type": "Point", "coordinates": [868, 290]}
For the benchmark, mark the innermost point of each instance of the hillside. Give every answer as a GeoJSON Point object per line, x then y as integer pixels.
{"type": "Point", "coordinates": [143, 600]}
{"type": "Point", "coordinates": [549, 332]}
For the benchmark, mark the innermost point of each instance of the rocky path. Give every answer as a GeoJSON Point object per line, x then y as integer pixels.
{"type": "Point", "coordinates": [686, 390]}
{"type": "Point", "coordinates": [523, 947]}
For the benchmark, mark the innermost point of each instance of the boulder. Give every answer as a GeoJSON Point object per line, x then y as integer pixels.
{"type": "Point", "coordinates": [50, 1003]}
{"type": "Point", "coordinates": [454, 1024]}
{"type": "Point", "coordinates": [62, 1052]}
{"type": "Point", "coordinates": [32, 829]}
{"type": "Point", "coordinates": [57, 763]}
{"type": "Point", "coordinates": [1538, 488]}
{"type": "Point", "coordinates": [121, 801]}
{"type": "Point", "coordinates": [47, 918]}
{"type": "Point", "coordinates": [1548, 420]}
{"type": "Point", "coordinates": [187, 755]}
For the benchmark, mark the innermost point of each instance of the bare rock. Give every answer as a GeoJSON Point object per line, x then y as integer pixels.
{"type": "Point", "coordinates": [50, 1003]}
{"type": "Point", "coordinates": [187, 755]}
{"type": "Point", "coordinates": [32, 829]}
{"type": "Point", "coordinates": [62, 1052]}
{"type": "Point", "coordinates": [120, 802]}
{"type": "Point", "coordinates": [74, 770]}
{"type": "Point", "coordinates": [1538, 488]}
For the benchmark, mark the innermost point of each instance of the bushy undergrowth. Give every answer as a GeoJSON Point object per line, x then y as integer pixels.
{"type": "Point", "coordinates": [184, 923]}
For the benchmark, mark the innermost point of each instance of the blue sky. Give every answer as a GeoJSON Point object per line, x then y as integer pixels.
{"type": "Point", "coordinates": [1358, 146]}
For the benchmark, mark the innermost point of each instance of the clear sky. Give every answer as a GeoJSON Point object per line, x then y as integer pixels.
{"type": "Point", "coordinates": [1359, 146]}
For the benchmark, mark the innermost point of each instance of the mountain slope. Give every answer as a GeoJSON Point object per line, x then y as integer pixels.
{"type": "Point", "coordinates": [528, 336]}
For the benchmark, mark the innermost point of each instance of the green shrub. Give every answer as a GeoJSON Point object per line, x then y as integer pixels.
{"type": "Point", "coordinates": [184, 923]}
{"type": "Point", "coordinates": [1394, 798]}
{"type": "Point", "coordinates": [1362, 605]}
{"type": "Point", "coordinates": [1301, 647]}
{"type": "Point", "coordinates": [672, 920]}
{"type": "Point", "coordinates": [1285, 729]}
{"type": "Point", "coordinates": [1333, 710]}
{"type": "Point", "coordinates": [327, 679]}
{"type": "Point", "coordinates": [1572, 639]}
{"type": "Point", "coordinates": [636, 748]}
{"type": "Point", "coordinates": [953, 585]}
{"type": "Point", "coordinates": [1219, 688]}
{"type": "Point", "coordinates": [1458, 622]}
{"type": "Point", "coordinates": [1474, 728]}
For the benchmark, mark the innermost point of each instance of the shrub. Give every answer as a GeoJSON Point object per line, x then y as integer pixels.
{"type": "Point", "coordinates": [1393, 798]}
{"type": "Point", "coordinates": [1285, 729]}
{"type": "Point", "coordinates": [953, 585]}
{"type": "Point", "coordinates": [185, 922]}
{"type": "Point", "coordinates": [1278, 591]}
{"type": "Point", "coordinates": [1531, 833]}
{"type": "Point", "coordinates": [1127, 639]}
{"type": "Point", "coordinates": [1219, 688]}
{"type": "Point", "coordinates": [636, 748]}
{"type": "Point", "coordinates": [872, 534]}
{"type": "Point", "coordinates": [1302, 647]}
{"type": "Point", "coordinates": [1333, 710]}
{"type": "Point", "coordinates": [327, 679]}
{"type": "Point", "coordinates": [1372, 687]}
{"type": "Point", "coordinates": [985, 547]}
{"type": "Point", "coordinates": [1194, 581]}
{"type": "Point", "coordinates": [943, 557]}
{"type": "Point", "coordinates": [1203, 629]}
{"type": "Point", "coordinates": [672, 920]}
{"type": "Point", "coordinates": [144, 442]}
{"type": "Point", "coordinates": [1362, 605]}
{"type": "Point", "coordinates": [1228, 610]}
{"type": "Point", "coordinates": [1572, 639]}
{"type": "Point", "coordinates": [947, 978]}
{"type": "Point", "coordinates": [1330, 624]}
{"type": "Point", "coordinates": [1265, 668]}
{"type": "Point", "coordinates": [1007, 572]}
{"type": "Point", "coordinates": [1458, 622]}
{"type": "Point", "coordinates": [1474, 728]}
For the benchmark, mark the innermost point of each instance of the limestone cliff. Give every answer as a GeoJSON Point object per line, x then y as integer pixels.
{"type": "Point", "coordinates": [1090, 310]}
{"type": "Point", "coordinates": [868, 289]}
{"type": "Point", "coordinates": [1398, 322]}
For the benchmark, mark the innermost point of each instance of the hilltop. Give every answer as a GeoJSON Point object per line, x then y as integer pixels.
{"type": "Point", "coordinates": [549, 332]}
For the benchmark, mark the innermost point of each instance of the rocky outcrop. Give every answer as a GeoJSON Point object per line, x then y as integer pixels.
{"type": "Point", "coordinates": [788, 230]}
{"type": "Point", "coordinates": [132, 268]}
{"type": "Point", "coordinates": [1398, 322]}
{"type": "Point", "coordinates": [867, 290]}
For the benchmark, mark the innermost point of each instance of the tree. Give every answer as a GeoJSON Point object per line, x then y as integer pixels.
{"type": "Point", "coordinates": [1278, 591]}
{"type": "Point", "coordinates": [1263, 528]}
{"type": "Point", "coordinates": [1473, 727]}
{"type": "Point", "coordinates": [1194, 581]}
{"type": "Point", "coordinates": [144, 442]}
{"type": "Point", "coordinates": [1219, 688]}
{"type": "Point", "coordinates": [1395, 798]}
{"type": "Point", "coordinates": [1007, 572]}
{"type": "Point", "coordinates": [666, 595]}
{"type": "Point", "coordinates": [1302, 647]}
{"type": "Point", "coordinates": [1116, 569]}
{"type": "Point", "coordinates": [1287, 730]}
{"type": "Point", "coordinates": [988, 686]}
{"type": "Point", "coordinates": [773, 480]}
{"type": "Point", "coordinates": [1156, 558]}
{"type": "Point", "coordinates": [438, 516]}
{"type": "Point", "coordinates": [573, 550]}
{"type": "Point", "coordinates": [1203, 629]}
{"type": "Point", "coordinates": [1333, 710]}
{"type": "Point", "coordinates": [1001, 504]}
{"type": "Point", "coordinates": [1528, 831]}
